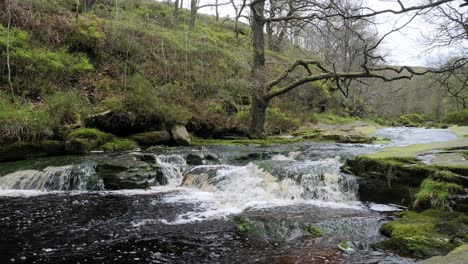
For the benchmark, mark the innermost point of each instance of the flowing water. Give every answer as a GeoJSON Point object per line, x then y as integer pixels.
{"type": "Point", "coordinates": [252, 204]}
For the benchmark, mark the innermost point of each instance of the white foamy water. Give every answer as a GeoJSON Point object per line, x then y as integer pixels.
{"type": "Point", "coordinates": [62, 178]}
{"type": "Point", "coordinates": [217, 191]}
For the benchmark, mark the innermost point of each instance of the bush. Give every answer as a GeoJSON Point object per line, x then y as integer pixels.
{"type": "Point", "coordinates": [277, 122]}
{"type": "Point", "coordinates": [22, 123]}
{"type": "Point", "coordinates": [457, 118]}
{"type": "Point", "coordinates": [411, 120]}
{"type": "Point", "coordinates": [66, 108]}
{"type": "Point", "coordinates": [144, 102]}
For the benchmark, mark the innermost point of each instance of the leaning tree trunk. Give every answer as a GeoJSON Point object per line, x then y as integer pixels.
{"type": "Point", "coordinates": [258, 92]}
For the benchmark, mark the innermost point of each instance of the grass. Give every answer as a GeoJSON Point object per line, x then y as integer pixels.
{"type": "Point", "coordinates": [436, 193]}
{"type": "Point", "coordinates": [425, 234]}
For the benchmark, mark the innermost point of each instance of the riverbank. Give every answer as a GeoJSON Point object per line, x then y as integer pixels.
{"type": "Point", "coordinates": [431, 179]}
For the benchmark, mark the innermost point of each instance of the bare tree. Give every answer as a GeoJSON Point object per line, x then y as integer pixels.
{"type": "Point", "coordinates": [309, 13]}
{"type": "Point", "coordinates": [455, 84]}
{"type": "Point", "coordinates": [195, 6]}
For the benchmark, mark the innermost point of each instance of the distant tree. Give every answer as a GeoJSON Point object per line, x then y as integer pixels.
{"type": "Point", "coordinates": [299, 14]}
{"type": "Point", "coordinates": [455, 84]}
{"type": "Point", "coordinates": [195, 6]}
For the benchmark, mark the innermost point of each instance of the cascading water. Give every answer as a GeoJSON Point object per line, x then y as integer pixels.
{"type": "Point", "coordinates": [259, 204]}
{"type": "Point", "coordinates": [172, 167]}
{"type": "Point", "coordinates": [79, 177]}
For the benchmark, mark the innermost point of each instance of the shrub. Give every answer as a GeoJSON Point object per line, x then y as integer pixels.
{"type": "Point", "coordinates": [277, 121]}
{"type": "Point", "coordinates": [144, 102]}
{"type": "Point", "coordinates": [22, 123]}
{"type": "Point", "coordinates": [86, 35]}
{"type": "Point", "coordinates": [66, 108]}
{"type": "Point", "coordinates": [411, 120]}
{"type": "Point", "coordinates": [458, 118]}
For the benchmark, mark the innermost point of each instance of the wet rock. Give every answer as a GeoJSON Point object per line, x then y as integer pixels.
{"type": "Point", "coordinates": [202, 178]}
{"type": "Point", "coordinates": [152, 138]}
{"type": "Point", "coordinates": [127, 172]}
{"type": "Point", "coordinates": [355, 138]}
{"type": "Point", "coordinates": [25, 150]}
{"type": "Point", "coordinates": [180, 135]}
{"type": "Point", "coordinates": [80, 145]}
{"type": "Point", "coordinates": [456, 256]}
{"type": "Point", "coordinates": [424, 234]}
{"type": "Point", "coordinates": [194, 159]}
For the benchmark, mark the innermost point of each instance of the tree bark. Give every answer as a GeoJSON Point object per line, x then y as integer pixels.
{"type": "Point", "coordinates": [259, 100]}
{"type": "Point", "coordinates": [176, 8]}
{"type": "Point", "coordinates": [193, 13]}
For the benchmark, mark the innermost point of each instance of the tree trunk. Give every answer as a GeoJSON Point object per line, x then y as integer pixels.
{"type": "Point", "coordinates": [193, 13]}
{"type": "Point", "coordinates": [217, 11]}
{"type": "Point", "coordinates": [259, 102]}
{"type": "Point", "coordinates": [259, 106]}
{"type": "Point", "coordinates": [176, 8]}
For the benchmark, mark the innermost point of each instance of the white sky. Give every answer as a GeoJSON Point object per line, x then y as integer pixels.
{"type": "Point", "coordinates": [406, 47]}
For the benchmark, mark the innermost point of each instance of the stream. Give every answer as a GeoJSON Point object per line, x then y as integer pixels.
{"type": "Point", "coordinates": [236, 204]}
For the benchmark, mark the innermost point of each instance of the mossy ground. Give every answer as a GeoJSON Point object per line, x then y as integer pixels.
{"type": "Point", "coordinates": [425, 234]}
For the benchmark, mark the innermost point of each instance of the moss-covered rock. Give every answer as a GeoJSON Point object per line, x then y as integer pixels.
{"type": "Point", "coordinates": [83, 140]}
{"type": "Point", "coordinates": [127, 172]}
{"type": "Point", "coordinates": [390, 176]}
{"type": "Point", "coordinates": [152, 138]}
{"type": "Point", "coordinates": [435, 194]}
{"type": "Point", "coordinates": [456, 256]}
{"type": "Point", "coordinates": [119, 144]}
{"type": "Point", "coordinates": [26, 150]}
{"type": "Point", "coordinates": [425, 234]}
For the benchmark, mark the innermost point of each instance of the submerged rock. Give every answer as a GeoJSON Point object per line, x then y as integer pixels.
{"type": "Point", "coordinates": [127, 172]}
{"type": "Point", "coordinates": [180, 135]}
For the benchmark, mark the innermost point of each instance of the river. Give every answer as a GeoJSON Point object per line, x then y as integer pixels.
{"type": "Point", "coordinates": [243, 204]}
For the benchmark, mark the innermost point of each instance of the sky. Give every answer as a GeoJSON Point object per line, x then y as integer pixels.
{"type": "Point", "coordinates": [405, 47]}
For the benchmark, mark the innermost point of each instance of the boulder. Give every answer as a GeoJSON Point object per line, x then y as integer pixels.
{"type": "Point", "coordinates": [80, 145]}
{"type": "Point", "coordinates": [127, 172]}
{"type": "Point", "coordinates": [457, 256]}
{"type": "Point", "coordinates": [180, 135]}
{"type": "Point", "coordinates": [152, 138]}
{"type": "Point", "coordinates": [26, 150]}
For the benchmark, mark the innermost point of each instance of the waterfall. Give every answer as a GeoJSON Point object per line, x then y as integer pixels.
{"type": "Point", "coordinates": [172, 167]}
{"type": "Point", "coordinates": [64, 178]}
{"type": "Point", "coordinates": [290, 180]}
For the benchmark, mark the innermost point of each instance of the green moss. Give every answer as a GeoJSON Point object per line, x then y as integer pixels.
{"type": "Point", "coordinates": [457, 118]}
{"type": "Point", "coordinates": [314, 231]}
{"type": "Point", "coordinates": [343, 245]}
{"type": "Point", "coordinates": [91, 133]}
{"type": "Point", "coordinates": [411, 120]}
{"type": "Point", "coordinates": [330, 118]}
{"type": "Point", "coordinates": [421, 234]}
{"type": "Point", "coordinates": [243, 225]}
{"type": "Point", "coordinates": [119, 144]}
{"type": "Point", "coordinates": [436, 193]}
